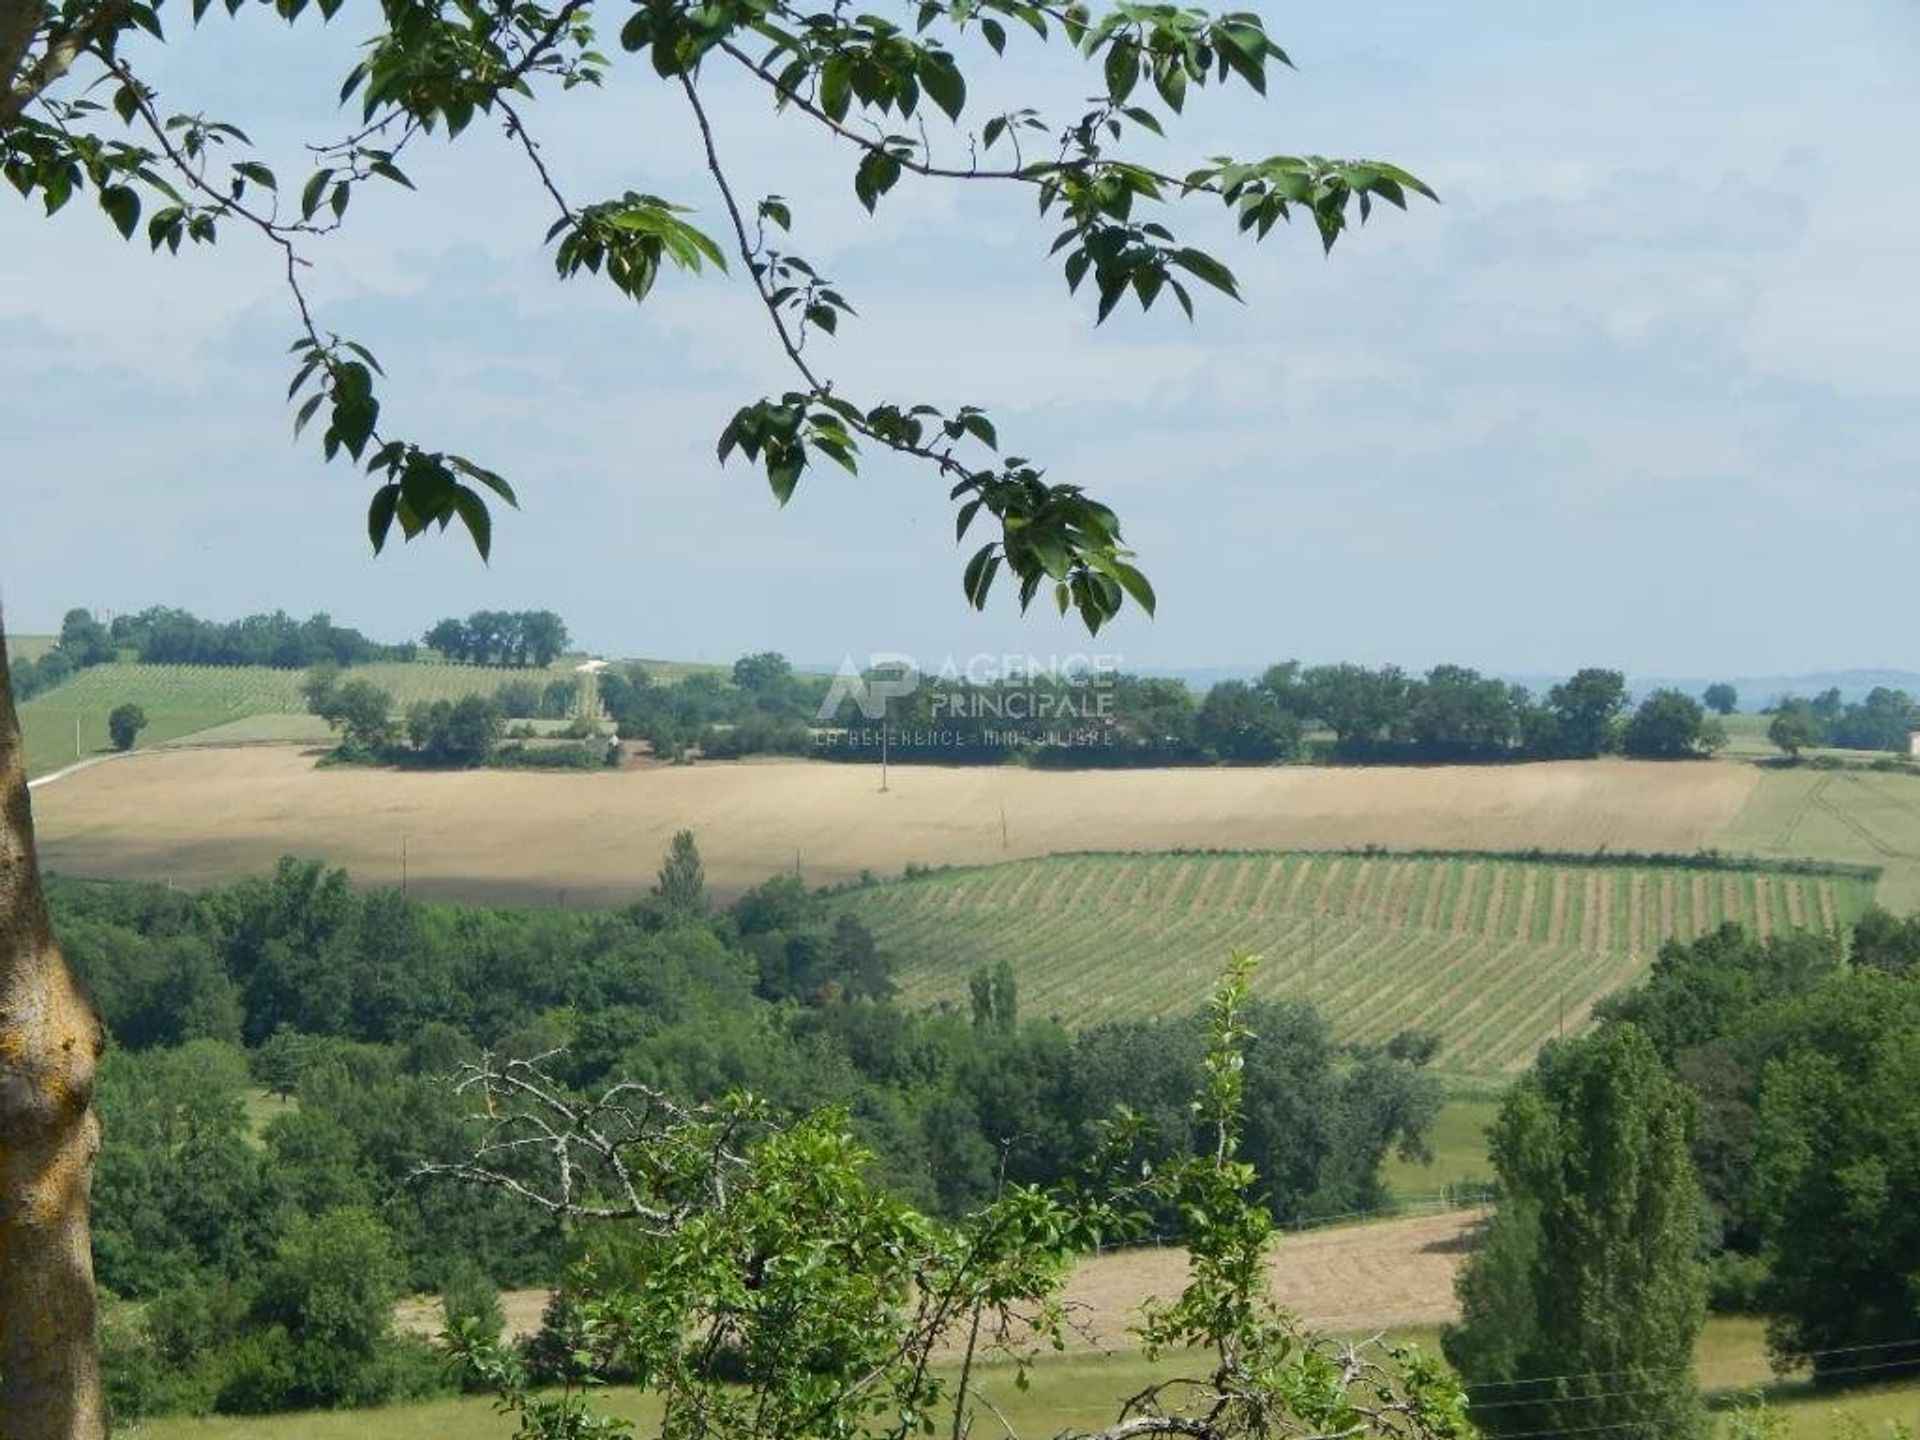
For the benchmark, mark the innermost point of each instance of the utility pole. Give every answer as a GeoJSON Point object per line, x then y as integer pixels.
{"type": "Point", "coordinates": [76, 734]}
{"type": "Point", "coordinates": [1003, 822]}
{"type": "Point", "coordinates": [403, 864]}
{"type": "Point", "coordinates": [883, 755]}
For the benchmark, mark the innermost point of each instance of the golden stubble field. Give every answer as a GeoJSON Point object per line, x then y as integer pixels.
{"type": "Point", "coordinates": [1388, 1275]}
{"type": "Point", "coordinates": [197, 816]}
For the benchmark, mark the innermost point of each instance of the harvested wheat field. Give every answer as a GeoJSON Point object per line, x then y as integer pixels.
{"type": "Point", "coordinates": [203, 815]}
{"type": "Point", "coordinates": [1388, 1275]}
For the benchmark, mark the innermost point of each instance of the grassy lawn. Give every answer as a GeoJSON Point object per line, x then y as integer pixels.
{"type": "Point", "coordinates": [1459, 1141]}
{"type": "Point", "coordinates": [49, 723]}
{"type": "Point", "coordinates": [1077, 1392]}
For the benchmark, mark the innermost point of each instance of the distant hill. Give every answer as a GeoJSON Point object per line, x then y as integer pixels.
{"type": "Point", "coordinates": [69, 721]}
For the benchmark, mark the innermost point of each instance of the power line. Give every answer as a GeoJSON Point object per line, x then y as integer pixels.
{"type": "Point", "coordinates": [1905, 1364]}
{"type": "Point", "coordinates": [1656, 1370]}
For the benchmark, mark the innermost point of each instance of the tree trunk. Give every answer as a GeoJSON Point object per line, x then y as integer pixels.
{"type": "Point", "coordinates": [50, 1039]}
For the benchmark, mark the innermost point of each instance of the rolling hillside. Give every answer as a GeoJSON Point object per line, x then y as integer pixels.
{"type": "Point", "coordinates": [1494, 955]}
{"type": "Point", "coordinates": [1856, 816]}
{"type": "Point", "coordinates": [183, 700]}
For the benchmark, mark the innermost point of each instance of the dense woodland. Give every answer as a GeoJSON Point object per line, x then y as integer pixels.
{"type": "Point", "coordinates": [1738, 1133]}
{"type": "Point", "coordinates": [282, 1066]}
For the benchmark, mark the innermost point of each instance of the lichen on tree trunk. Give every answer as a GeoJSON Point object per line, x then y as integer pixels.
{"type": "Point", "coordinates": [50, 1041]}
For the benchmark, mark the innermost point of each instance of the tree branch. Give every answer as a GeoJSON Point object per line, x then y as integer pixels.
{"type": "Point", "coordinates": [19, 23]}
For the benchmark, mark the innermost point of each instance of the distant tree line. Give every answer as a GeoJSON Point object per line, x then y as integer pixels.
{"type": "Point", "coordinates": [452, 734]}
{"type": "Point", "coordinates": [259, 1259]}
{"type": "Point", "coordinates": [84, 642]}
{"type": "Point", "coordinates": [1884, 720]}
{"type": "Point", "coordinates": [1346, 713]}
{"type": "Point", "coordinates": [517, 638]}
{"type": "Point", "coordinates": [163, 636]}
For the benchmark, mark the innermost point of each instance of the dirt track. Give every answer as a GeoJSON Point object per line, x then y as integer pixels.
{"type": "Point", "coordinates": [197, 816]}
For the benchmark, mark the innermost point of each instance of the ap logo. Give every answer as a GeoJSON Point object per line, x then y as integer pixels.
{"type": "Point", "coordinates": [900, 679]}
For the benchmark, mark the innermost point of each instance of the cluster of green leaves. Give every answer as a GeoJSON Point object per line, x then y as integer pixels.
{"type": "Point", "coordinates": [630, 236]}
{"type": "Point", "coordinates": [868, 80]}
{"type": "Point", "coordinates": [422, 488]}
{"type": "Point", "coordinates": [764, 1286]}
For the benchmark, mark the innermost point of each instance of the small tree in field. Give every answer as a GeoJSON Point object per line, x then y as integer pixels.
{"type": "Point", "coordinates": [1795, 728]}
{"type": "Point", "coordinates": [1581, 1309]}
{"type": "Point", "coordinates": [125, 724]}
{"type": "Point", "coordinates": [1671, 726]}
{"type": "Point", "coordinates": [1721, 698]}
{"type": "Point", "coordinates": [682, 886]}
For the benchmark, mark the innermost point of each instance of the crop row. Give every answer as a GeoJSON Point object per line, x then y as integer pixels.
{"type": "Point", "coordinates": [1493, 956]}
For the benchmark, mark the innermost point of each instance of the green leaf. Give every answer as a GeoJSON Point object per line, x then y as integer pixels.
{"type": "Point", "coordinates": [1170, 79]}
{"type": "Point", "coordinates": [311, 194]}
{"type": "Point", "coordinates": [380, 515]}
{"type": "Point", "coordinates": [877, 174]}
{"type": "Point", "coordinates": [977, 580]}
{"type": "Point", "coordinates": [964, 520]}
{"type": "Point", "coordinates": [1135, 584]}
{"type": "Point", "coordinates": [783, 471]}
{"type": "Point", "coordinates": [1122, 69]}
{"type": "Point", "coordinates": [836, 86]}
{"type": "Point", "coordinates": [1203, 266]}
{"type": "Point", "coordinates": [942, 80]}
{"type": "Point", "coordinates": [122, 207]}
{"type": "Point", "coordinates": [473, 513]}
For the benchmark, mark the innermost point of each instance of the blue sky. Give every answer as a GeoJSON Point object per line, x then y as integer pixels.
{"type": "Point", "coordinates": [1642, 391]}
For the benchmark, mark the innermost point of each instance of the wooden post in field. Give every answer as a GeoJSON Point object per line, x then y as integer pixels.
{"type": "Point", "coordinates": [883, 755]}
